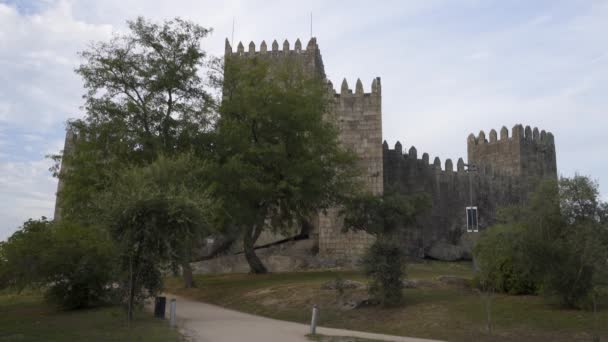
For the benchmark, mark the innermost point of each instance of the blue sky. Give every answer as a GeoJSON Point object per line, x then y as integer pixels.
{"type": "Point", "coordinates": [448, 68]}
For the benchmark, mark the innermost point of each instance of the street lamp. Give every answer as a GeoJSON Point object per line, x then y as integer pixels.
{"type": "Point", "coordinates": [471, 211]}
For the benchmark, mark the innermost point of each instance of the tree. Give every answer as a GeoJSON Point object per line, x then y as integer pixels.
{"type": "Point", "coordinates": [503, 261]}
{"type": "Point", "coordinates": [279, 160]}
{"type": "Point", "coordinates": [382, 217]}
{"type": "Point", "coordinates": [145, 96]}
{"type": "Point", "coordinates": [557, 242]}
{"type": "Point", "coordinates": [72, 264]}
{"type": "Point", "coordinates": [156, 214]}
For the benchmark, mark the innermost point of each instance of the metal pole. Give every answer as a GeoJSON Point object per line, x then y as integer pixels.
{"type": "Point", "coordinates": [232, 36]}
{"type": "Point", "coordinates": [172, 306]}
{"type": "Point", "coordinates": [313, 321]}
{"type": "Point", "coordinates": [470, 190]}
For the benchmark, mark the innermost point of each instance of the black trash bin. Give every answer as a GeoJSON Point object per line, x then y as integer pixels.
{"type": "Point", "coordinates": [159, 307]}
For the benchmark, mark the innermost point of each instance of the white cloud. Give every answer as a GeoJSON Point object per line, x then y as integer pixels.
{"type": "Point", "coordinates": [26, 191]}
{"type": "Point", "coordinates": [38, 55]}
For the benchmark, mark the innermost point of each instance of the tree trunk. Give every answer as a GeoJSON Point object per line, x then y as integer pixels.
{"type": "Point", "coordinates": [252, 233]}
{"type": "Point", "coordinates": [488, 304]}
{"type": "Point", "coordinates": [187, 274]}
{"type": "Point", "coordinates": [131, 299]}
{"type": "Point", "coordinates": [596, 327]}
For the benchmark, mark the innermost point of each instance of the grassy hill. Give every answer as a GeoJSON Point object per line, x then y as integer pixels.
{"type": "Point", "coordinates": [434, 309]}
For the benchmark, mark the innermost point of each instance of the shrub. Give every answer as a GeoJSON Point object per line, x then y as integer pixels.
{"type": "Point", "coordinates": [501, 259]}
{"type": "Point", "coordinates": [384, 264]}
{"type": "Point", "coordinates": [556, 244]}
{"type": "Point", "coordinates": [72, 264]}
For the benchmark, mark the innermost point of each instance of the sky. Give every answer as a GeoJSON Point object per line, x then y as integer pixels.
{"type": "Point", "coordinates": [448, 68]}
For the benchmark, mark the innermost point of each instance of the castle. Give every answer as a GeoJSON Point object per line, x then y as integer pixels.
{"type": "Point", "coordinates": [499, 172]}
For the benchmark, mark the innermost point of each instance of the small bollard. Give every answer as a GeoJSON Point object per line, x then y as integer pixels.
{"type": "Point", "coordinates": [159, 307]}
{"type": "Point", "coordinates": [313, 321]}
{"type": "Point", "coordinates": [172, 305]}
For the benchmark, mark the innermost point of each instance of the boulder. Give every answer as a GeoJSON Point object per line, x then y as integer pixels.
{"type": "Point", "coordinates": [446, 252]}
{"type": "Point", "coordinates": [409, 283]}
{"type": "Point", "coordinates": [345, 284]}
{"type": "Point", "coordinates": [455, 281]}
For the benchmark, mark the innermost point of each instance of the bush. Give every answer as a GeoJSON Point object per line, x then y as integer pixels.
{"type": "Point", "coordinates": [384, 265]}
{"type": "Point", "coordinates": [72, 264]}
{"type": "Point", "coordinates": [501, 258]}
{"type": "Point", "coordinates": [577, 266]}
{"type": "Point", "coordinates": [556, 244]}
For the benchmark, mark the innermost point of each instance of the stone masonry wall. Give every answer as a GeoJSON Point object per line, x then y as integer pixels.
{"type": "Point", "coordinates": [527, 153]}
{"type": "Point", "coordinates": [359, 117]}
{"type": "Point", "coordinates": [68, 148]}
{"type": "Point", "coordinates": [498, 180]}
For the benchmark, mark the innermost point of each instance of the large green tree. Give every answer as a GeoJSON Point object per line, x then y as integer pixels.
{"type": "Point", "coordinates": [132, 161]}
{"type": "Point", "coordinates": [146, 94]}
{"type": "Point", "coordinates": [279, 160]}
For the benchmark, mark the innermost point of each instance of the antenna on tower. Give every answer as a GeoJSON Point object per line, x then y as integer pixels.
{"type": "Point", "coordinates": [310, 24]}
{"type": "Point", "coordinates": [232, 37]}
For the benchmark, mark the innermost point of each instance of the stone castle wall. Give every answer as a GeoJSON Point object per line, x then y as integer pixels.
{"type": "Point", "coordinates": [504, 172]}
{"type": "Point", "coordinates": [359, 117]}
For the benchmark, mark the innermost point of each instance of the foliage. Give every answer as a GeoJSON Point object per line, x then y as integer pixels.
{"type": "Point", "coordinates": [145, 97]}
{"type": "Point", "coordinates": [73, 264]}
{"type": "Point", "coordinates": [502, 263]}
{"type": "Point", "coordinates": [156, 214]}
{"type": "Point", "coordinates": [557, 243]}
{"type": "Point", "coordinates": [382, 216]}
{"type": "Point", "coordinates": [384, 265]}
{"type": "Point", "coordinates": [279, 160]}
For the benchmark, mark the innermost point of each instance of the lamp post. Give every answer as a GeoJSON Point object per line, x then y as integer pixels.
{"type": "Point", "coordinates": [472, 223]}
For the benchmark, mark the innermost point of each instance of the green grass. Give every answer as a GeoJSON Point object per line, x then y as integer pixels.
{"type": "Point", "coordinates": [434, 310]}
{"type": "Point", "coordinates": [26, 317]}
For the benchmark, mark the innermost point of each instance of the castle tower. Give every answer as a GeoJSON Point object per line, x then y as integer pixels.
{"type": "Point", "coordinates": [309, 59]}
{"type": "Point", "coordinates": [359, 119]}
{"type": "Point", "coordinates": [359, 116]}
{"type": "Point", "coordinates": [527, 153]}
{"type": "Point", "coordinates": [68, 148]}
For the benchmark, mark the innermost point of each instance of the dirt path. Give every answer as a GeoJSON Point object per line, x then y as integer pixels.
{"type": "Point", "coordinates": [203, 322]}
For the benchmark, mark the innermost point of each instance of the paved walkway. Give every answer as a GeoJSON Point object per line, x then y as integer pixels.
{"type": "Point", "coordinates": [203, 322]}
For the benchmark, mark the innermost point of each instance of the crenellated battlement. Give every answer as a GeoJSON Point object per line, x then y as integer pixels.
{"type": "Point", "coordinates": [526, 152]}
{"type": "Point", "coordinates": [274, 48]}
{"type": "Point", "coordinates": [411, 155]}
{"type": "Point", "coordinates": [309, 59]}
{"type": "Point", "coordinates": [346, 91]}
{"type": "Point", "coordinates": [518, 133]}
